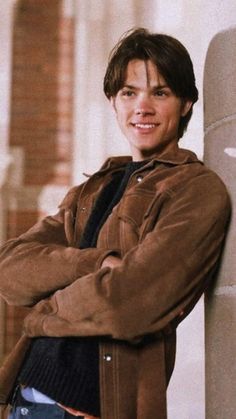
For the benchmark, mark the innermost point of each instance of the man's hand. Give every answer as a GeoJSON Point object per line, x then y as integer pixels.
{"type": "Point", "coordinates": [111, 261]}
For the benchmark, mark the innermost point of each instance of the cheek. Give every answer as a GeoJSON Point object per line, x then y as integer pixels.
{"type": "Point", "coordinates": [121, 120]}
{"type": "Point", "coordinates": [119, 117]}
{"type": "Point", "coordinates": [171, 116]}
{"type": "Point", "coordinates": [122, 115]}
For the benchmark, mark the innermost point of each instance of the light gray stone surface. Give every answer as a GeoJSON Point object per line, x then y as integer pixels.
{"type": "Point", "coordinates": [220, 155]}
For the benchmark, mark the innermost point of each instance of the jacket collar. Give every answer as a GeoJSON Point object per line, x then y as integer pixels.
{"type": "Point", "coordinates": [182, 156]}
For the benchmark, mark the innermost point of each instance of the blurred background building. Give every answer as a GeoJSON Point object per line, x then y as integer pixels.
{"type": "Point", "coordinates": [56, 124]}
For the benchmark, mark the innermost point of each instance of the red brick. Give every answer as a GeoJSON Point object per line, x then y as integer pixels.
{"type": "Point", "coordinates": [41, 109]}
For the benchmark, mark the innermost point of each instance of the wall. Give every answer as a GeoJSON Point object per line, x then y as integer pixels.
{"type": "Point", "coordinates": [6, 15]}
{"type": "Point", "coordinates": [40, 123]}
{"type": "Point", "coordinates": [5, 78]}
{"type": "Point", "coordinates": [220, 153]}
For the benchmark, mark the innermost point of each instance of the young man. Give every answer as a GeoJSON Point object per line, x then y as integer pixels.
{"type": "Point", "coordinates": [126, 258]}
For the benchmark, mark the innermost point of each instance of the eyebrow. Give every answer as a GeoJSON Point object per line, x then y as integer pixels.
{"type": "Point", "coordinates": [160, 86]}
{"type": "Point", "coordinates": [128, 86]}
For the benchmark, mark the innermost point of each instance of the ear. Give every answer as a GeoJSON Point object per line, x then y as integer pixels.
{"type": "Point", "coordinates": [186, 106]}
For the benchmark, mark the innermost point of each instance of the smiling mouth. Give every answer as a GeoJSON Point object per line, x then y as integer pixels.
{"type": "Point", "coordinates": [145, 126]}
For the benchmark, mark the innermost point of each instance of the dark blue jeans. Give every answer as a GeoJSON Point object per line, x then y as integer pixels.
{"type": "Point", "coordinates": [39, 411]}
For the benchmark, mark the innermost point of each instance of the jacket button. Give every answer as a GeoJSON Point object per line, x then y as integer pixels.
{"type": "Point", "coordinates": [107, 357]}
{"type": "Point", "coordinates": [24, 411]}
{"type": "Point", "coordinates": [139, 178]}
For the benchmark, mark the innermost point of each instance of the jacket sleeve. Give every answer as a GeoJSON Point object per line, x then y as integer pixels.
{"type": "Point", "coordinates": [42, 260]}
{"type": "Point", "coordinates": [158, 281]}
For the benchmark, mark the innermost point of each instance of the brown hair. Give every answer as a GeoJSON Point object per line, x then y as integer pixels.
{"type": "Point", "coordinates": [167, 53]}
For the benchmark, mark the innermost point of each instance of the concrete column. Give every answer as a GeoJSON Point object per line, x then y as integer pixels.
{"type": "Point", "coordinates": [220, 155]}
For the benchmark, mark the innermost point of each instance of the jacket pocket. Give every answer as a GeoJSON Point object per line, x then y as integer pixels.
{"type": "Point", "coordinates": [134, 206]}
{"type": "Point", "coordinates": [131, 213]}
{"type": "Point", "coordinates": [151, 216]}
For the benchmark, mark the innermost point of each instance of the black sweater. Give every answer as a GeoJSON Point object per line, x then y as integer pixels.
{"type": "Point", "coordinates": [67, 369]}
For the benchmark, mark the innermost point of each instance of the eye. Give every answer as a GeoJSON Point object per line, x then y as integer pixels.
{"type": "Point", "coordinates": [160, 93]}
{"type": "Point", "coordinates": [127, 92]}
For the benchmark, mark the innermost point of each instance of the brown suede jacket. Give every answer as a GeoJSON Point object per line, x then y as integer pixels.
{"type": "Point", "coordinates": [169, 229]}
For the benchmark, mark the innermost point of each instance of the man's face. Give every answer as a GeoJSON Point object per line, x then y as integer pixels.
{"type": "Point", "coordinates": [147, 110]}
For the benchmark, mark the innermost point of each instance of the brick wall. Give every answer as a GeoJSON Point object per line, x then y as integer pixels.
{"type": "Point", "coordinates": [42, 90]}
{"type": "Point", "coordinates": [41, 116]}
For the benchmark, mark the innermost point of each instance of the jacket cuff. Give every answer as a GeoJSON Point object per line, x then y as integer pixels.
{"type": "Point", "coordinates": [104, 255]}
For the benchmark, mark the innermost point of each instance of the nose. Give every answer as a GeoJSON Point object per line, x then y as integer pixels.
{"type": "Point", "coordinates": [144, 106]}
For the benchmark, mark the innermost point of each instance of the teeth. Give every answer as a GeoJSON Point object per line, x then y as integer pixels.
{"type": "Point", "coordinates": [145, 125]}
